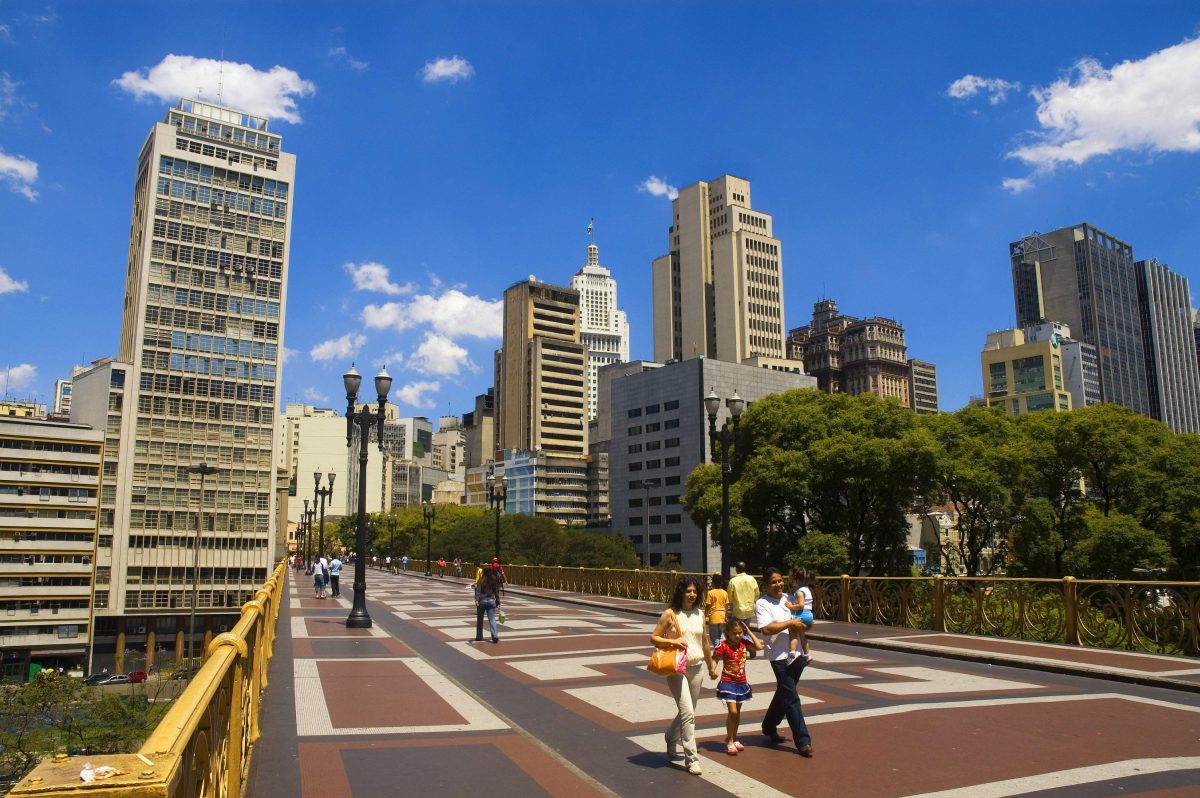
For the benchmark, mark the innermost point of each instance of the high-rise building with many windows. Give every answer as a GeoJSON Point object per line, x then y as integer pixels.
{"type": "Point", "coordinates": [1166, 304]}
{"type": "Point", "coordinates": [201, 333]}
{"type": "Point", "coordinates": [1085, 278]}
{"type": "Point", "coordinates": [718, 292]}
{"type": "Point", "coordinates": [603, 329]}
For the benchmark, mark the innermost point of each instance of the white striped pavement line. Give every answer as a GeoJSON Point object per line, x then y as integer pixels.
{"type": "Point", "coordinates": [901, 709]}
{"type": "Point", "coordinates": [300, 631]}
{"type": "Point", "coordinates": [312, 712]}
{"type": "Point", "coordinates": [1074, 777]}
{"type": "Point", "coordinates": [715, 773]}
{"type": "Point", "coordinates": [476, 650]}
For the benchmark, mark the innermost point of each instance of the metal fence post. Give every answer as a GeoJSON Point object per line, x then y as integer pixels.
{"type": "Point", "coordinates": [845, 599]}
{"type": "Point", "coordinates": [939, 603]}
{"type": "Point", "coordinates": [1070, 593]}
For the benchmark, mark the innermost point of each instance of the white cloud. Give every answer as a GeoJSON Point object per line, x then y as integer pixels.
{"type": "Point", "coordinates": [18, 377]}
{"type": "Point", "coordinates": [1016, 184]}
{"type": "Point", "coordinates": [271, 94]}
{"type": "Point", "coordinates": [8, 94]}
{"type": "Point", "coordinates": [286, 353]}
{"type": "Point", "coordinates": [343, 54]}
{"type": "Point", "coordinates": [1152, 104]}
{"type": "Point", "coordinates": [375, 277]}
{"type": "Point", "coordinates": [658, 187]}
{"type": "Point", "coordinates": [437, 354]}
{"type": "Point", "coordinates": [313, 395]}
{"type": "Point", "coordinates": [10, 286]}
{"type": "Point", "coordinates": [20, 173]}
{"type": "Point", "coordinates": [414, 393]}
{"type": "Point", "coordinates": [338, 348]}
{"type": "Point", "coordinates": [451, 69]}
{"type": "Point", "coordinates": [969, 85]}
{"type": "Point", "coordinates": [389, 360]}
{"type": "Point", "coordinates": [453, 314]}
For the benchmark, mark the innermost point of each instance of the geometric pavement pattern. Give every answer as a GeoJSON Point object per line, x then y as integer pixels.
{"type": "Point", "coordinates": [564, 706]}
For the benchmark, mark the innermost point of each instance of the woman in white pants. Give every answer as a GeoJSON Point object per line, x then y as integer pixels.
{"type": "Point", "coordinates": [682, 626]}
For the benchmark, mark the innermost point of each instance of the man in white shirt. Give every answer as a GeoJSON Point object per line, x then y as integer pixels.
{"type": "Point", "coordinates": [775, 623]}
{"type": "Point", "coordinates": [335, 573]}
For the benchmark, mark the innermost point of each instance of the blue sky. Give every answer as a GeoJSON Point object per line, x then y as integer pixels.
{"type": "Point", "coordinates": [449, 149]}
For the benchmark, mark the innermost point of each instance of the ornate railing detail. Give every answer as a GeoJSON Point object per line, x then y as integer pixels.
{"type": "Point", "coordinates": [202, 746]}
{"type": "Point", "coordinates": [1155, 617]}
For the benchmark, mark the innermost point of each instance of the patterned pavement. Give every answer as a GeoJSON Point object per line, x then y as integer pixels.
{"type": "Point", "coordinates": [562, 706]}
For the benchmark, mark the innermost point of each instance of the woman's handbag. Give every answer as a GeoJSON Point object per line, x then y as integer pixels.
{"type": "Point", "coordinates": [669, 661]}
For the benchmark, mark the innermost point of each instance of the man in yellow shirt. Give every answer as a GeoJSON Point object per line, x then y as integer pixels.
{"type": "Point", "coordinates": [743, 592]}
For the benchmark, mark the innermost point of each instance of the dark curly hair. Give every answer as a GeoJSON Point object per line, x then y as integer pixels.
{"type": "Point", "coordinates": [681, 587]}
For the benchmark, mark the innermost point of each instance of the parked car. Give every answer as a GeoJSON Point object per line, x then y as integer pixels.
{"type": "Point", "coordinates": [96, 678]}
{"type": "Point", "coordinates": [137, 677]}
{"type": "Point", "coordinates": [184, 672]}
{"type": "Point", "coordinates": [117, 678]}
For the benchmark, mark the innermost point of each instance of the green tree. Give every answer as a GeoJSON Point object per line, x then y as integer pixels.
{"type": "Point", "coordinates": [850, 466]}
{"type": "Point", "coordinates": [827, 555]}
{"type": "Point", "coordinates": [594, 550]}
{"type": "Point", "coordinates": [981, 470]}
{"type": "Point", "coordinates": [1114, 546]}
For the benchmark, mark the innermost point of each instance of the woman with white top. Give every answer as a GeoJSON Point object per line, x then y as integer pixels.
{"type": "Point", "coordinates": [682, 626]}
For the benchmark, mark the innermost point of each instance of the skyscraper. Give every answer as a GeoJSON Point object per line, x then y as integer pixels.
{"type": "Point", "coordinates": [851, 355]}
{"type": "Point", "coordinates": [603, 329]}
{"type": "Point", "coordinates": [1085, 278]}
{"type": "Point", "coordinates": [202, 328]}
{"type": "Point", "coordinates": [1166, 305]}
{"type": "Point", "coordinates": [540, 380]}
{"type": "Point", "coordinates": [718, 293]}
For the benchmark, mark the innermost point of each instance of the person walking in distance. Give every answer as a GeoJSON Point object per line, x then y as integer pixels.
{"type": "Point", "coordinates": [716, 609]}
{"type": "Point", "coordinates": [681, 625]}
{"type": "Point", "coordinates": [775, 623]}
{"type": "Point", "coordinates": [335, 573]}
{"type": "Point", "coordinates": [487, 601]}
{"type": "Point", "coordinates": [743, 592]}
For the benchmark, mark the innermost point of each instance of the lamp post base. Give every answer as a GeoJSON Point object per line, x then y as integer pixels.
{"type": "Point", "coordinates": [359, 618]}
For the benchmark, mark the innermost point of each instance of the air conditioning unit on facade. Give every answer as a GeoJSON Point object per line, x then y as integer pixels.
{"type": "Point", "coordinates": [141, 630]}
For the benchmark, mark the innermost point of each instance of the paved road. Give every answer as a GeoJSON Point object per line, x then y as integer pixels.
{"type": "Point", "coordinates": [562, 706]}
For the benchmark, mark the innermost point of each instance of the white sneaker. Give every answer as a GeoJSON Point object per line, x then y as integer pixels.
{"type": "Point", "coordinates": [694, 769]}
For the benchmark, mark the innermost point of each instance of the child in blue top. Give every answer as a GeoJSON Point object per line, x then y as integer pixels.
{"type": "Point", "coordinates": [800, 603]}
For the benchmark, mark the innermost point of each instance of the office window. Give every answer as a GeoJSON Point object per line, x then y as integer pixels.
{"type": "Point", "coordinates": [671, 443]}
{"type": "Point", "coordinates": [671, 480]}
{"type": "Point", "coordinates": [671, 405]}
{"type": "Point", "coordinates": [651, 409]}
{"type": "Point", "coordinates": [635, 466]}
{"type": "Point", "coordinates": [634, 431]}
{"type": "Point", "coordinates": [671, 423]}
{"type": "Point", "coordinates": [634, 448]}
{"type": "Point", "coordinates": [634, 412]}
{"type": "Point", "coordinates": [671, 461]}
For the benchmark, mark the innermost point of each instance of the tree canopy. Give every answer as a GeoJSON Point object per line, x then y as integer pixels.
{"type": "Point", "coordinates": [1097, 492]}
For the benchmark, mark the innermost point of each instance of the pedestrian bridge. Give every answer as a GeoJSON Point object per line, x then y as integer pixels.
{"type": "Point", "coordinates": [906, 672]}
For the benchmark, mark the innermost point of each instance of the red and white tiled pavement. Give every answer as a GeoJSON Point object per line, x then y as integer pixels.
{"type": "Point", "coordinates": [563, 706]}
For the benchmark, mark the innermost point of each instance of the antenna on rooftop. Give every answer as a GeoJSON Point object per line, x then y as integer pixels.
{"type": "Point", "coordinates": [221, 76]}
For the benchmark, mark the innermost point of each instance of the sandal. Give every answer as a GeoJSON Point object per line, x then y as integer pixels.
{"type": "Point", "coordinates": [738, 746]}
{"type": "Point", "coordinates": [731, 749]}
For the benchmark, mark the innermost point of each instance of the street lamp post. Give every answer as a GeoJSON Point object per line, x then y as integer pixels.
{"type": "Point", "coordinates": [309, 512]}
{"type": "Point", "coordinates": [646, 485]}
{"type": "Point", "coordinates": [391, 519]}
{"type": "Point", "coordinates": [497, 487]}
{"type": "Point", "coordinates": [724, 438]}
{"type": "Point", "coordinates": [204, 470]}
{"type": "Point", "coordinates": [323, 494]}
{"type": "Point", "coordinates": [428, 510]}
{"type": "Point", "coordinates": [365, 419]}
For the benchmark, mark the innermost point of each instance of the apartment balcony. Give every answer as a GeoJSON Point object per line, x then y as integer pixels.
{"type": "Point", "coordinates": [43, 616]}
{"type": "Point", "coordinates": [12, 544]}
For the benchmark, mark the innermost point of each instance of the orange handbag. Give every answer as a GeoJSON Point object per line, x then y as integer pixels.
{"type": "Point", "coordinates": [668, 661]}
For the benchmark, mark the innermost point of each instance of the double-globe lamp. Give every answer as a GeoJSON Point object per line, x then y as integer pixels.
{"type": "Point", "coordinates": [724, 438]}
{"type": "Point", "coordinates": [365, 419]}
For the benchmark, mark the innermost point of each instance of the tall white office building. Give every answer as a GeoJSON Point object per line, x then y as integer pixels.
{"type": "Point", "coordinates": [1166, 305]}
{"type": "Point", "coordinates": [603, 329]}
{"type": "Point", "coordinates": [202, 331]}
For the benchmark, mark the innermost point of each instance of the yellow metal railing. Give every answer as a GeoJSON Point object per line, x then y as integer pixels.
{"type": "Point", "coordinates": [202, 745]}
{"type": "Point", "coordinates": [1155, 617]}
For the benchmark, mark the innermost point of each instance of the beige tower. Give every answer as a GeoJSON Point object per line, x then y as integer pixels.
{"type": "Point", "coordinates": [541, 382]}
{"type": "Point", "coordinates": [718, 293]}
{"type": "Point", "coordinates": [201, 336]}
